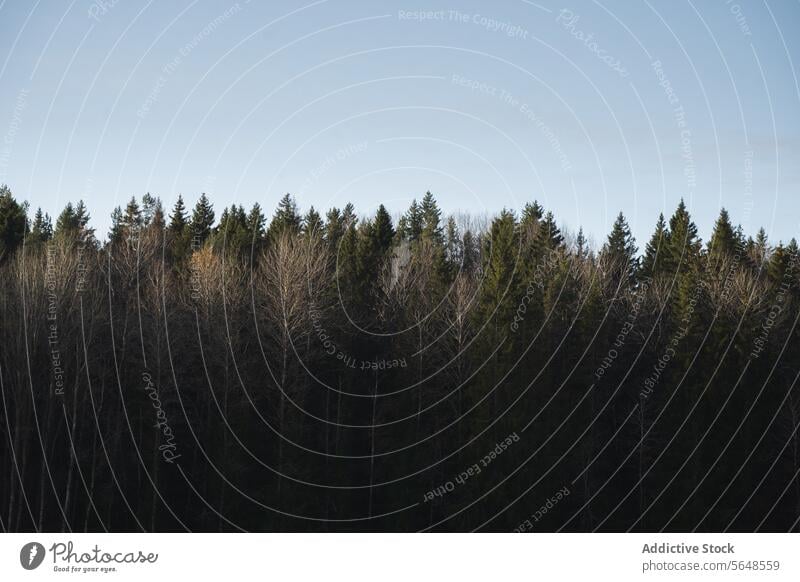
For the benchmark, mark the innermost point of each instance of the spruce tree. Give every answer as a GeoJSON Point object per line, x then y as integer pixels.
{"type": "Point", "coordinates": [149, 205]}
{"type": "Point", "coordinates": [67, 224]}
{"type": "Point", "coordinates": [454, 245]}
{"type": "Point", "coordinates": [42, 227]}
{"type": "Point", "coordinates": [312, 224]}
{"type": "Point", "coordinates": [178, 234]}
{"type": "Point", "coordinates": [471, 252]}
{"type": "Point", "coordinates": [202, 221]}
{"type": "Point", "coordinates": [117, 231]}
{"type": "Point", "coordinates": [382, 231]}
{"type": "Point", "coordinates": [532, 213]}
{"type": "Point", "coordinates": [13, 223]}
{"type": "Point", "coordinates": [619, 253]}
{"type": "Point", "coordinates": [502, 248]}
{"type": "Point", "coordinates": [349, 215]}
{"type": "Point", "coordinates": [157, 219]}
{"type": "Point", "coordinates": [549, 236]}
{"type": "Point", "coordinates": [431, 220]}
{"type": "Point", "coordinates": [411, 223]}
{"type": "Point", "coordinates": [85, 233]}
{"type": "Point", "coordinates": [722, 244]}
{"type": "Point", "coordinates": [256, 222]}
{"type": "Point", "coordinates": [581, 246]}
{"type": "Point", "coordinates": [655, 250]}
{"type": "Point", "coordinates": [683, 246]}
{"type": "Point", "coordinates": [761, 250]}
{"type": "Point", "coordinates": [334, 228]}
{"type": "Point", "coordinates": [286, 218]}
{"type": "Point", "coordinates": [178, 219]}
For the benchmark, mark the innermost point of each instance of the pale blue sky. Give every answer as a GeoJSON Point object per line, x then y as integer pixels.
{"type": "Point", "coordinates": [487, 104]}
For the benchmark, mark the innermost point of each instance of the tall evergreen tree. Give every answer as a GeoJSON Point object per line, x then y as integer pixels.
{"type": "Point", "coordinates": [411, 223]}
{"type": "Point", "coordinates": [683, 246]}
{"type": "Point", "coordinates": [67, 223]}
{"type": "Point", "coordinates": [722, 244]}
{"type": "Point", "coordinates": [431, 219]}
{"type": "Point", "coordinates": [116, 233]}
{"type": "Point", "coordinates": [82, 218]}
{"type": "Point", "coordinates": [179, 218]}
{"type": "Point", "coordinates": [132, 222]}
{"type": "Point", "coordinates": [42, 227]}
{"type": "Point", "coordinates": [286, 218]}
{"type": "Point", "coordinates": [619, 253]}
{"type": "Point", "coordinates": [149, 204]}
{"type": "Point", "coordinates": [454, 245]}
{"type": "Point", "coordinates": [157, 219]}
{"type": "Point", "coordinates": [581, 246]}
{"type": "Point", "coordinates": [13, 223]}
{"type": "Point", "coordinates": [334, 228]}
{"type": "Point", "coordinates": [549, 236]}
{"type": "Point", "coordinates": [502, 248]}
{"type": "Point", "coordinates": [655, 251]}
{"type": "Point", "coordinates": [760, 251]}
{"type": "Point", "coordinates": [178, 235]}
{"type": "Point", "coordinates": [312, 224]}
{"type": "Point", "coordinates": [382, 231]}
{"type": "Point", "coordinates": [349, 215]}
{"type": "Point", "coordinates": [532, 213]}
{"type": "Point", "coordinates": [471, 249]}
{"type": "Point", "coordinates": [202, 221]}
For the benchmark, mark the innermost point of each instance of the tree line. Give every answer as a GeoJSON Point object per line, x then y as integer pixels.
{"type": "Point", "coordinates": [338, 372]}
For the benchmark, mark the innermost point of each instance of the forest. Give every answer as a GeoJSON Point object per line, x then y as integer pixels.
{"type": "Point", "coordinates": [250, 370]}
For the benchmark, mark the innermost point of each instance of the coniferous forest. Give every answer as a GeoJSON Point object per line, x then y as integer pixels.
{"type": "Point", "coordinates": [206, 369]}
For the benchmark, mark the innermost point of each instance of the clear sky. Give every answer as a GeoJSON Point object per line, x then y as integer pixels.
{"type": "Point", "coordinates": [589, 107]}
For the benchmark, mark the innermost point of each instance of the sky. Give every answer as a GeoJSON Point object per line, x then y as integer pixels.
{"type": "Point", "coordinates": [591, 108]}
